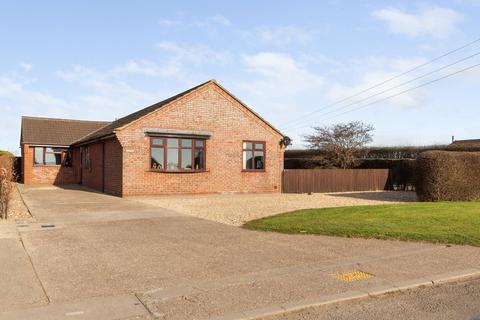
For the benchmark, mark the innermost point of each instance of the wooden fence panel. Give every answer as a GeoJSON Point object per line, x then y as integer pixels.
{"type": "Point", "coordinates": [333, 180]}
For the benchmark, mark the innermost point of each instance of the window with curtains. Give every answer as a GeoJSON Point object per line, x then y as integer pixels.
{"type": "Point", "coordinates": [177, 154]}
{"type": "Point", "coordinates": [50, 156]}
{"type": "Point", "coordinates": [253, 156]}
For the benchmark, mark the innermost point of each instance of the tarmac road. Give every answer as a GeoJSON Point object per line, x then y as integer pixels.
{"type": "Point", "coordinates": [454, 301]}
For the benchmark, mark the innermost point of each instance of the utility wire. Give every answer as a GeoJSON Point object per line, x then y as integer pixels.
{"type": "Point", "coordinates": [392, 88]}
{"type": "Point", "coordinates": [383, 82]}
{"type": "Point", "coordinates": [405, 91]}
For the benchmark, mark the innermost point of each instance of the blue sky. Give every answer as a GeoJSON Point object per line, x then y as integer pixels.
{"type": "Point", "coordinates": [100, 60]}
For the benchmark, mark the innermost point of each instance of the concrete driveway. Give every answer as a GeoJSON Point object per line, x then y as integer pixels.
{"type": "Point", "coordinates": [73, 203]}
{"type": "Point", "coordinates": [101, 257]}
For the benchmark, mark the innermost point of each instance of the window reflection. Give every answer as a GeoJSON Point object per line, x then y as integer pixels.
{"type": "Point", "coordinates": [253, 155]}
{"type": "Point", "coordinates": [177, 154]}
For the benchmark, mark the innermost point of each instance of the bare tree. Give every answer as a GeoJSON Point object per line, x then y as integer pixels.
{"type": "Point", "coordinates": [341, 142]}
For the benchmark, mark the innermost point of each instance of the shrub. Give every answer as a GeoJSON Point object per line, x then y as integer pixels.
{"type": "Point", "coordinates": [6, 153]}
{"type": "Point", "coordinates": [6, 183]}
{"type": "Point", "coordinates": [448, 176]}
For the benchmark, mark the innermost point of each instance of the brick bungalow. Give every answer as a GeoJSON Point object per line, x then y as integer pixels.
{"type": "Point", "coordinates": [203, 140]}
{"type": "Point", "coordinates": [45, 146]}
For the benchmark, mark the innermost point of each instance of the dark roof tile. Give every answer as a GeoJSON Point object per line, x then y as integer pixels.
{"type": "Point", "coordinates": [109, 129]}
{"type": "Point", "coordinates": [60, 132]}
{"type": "Point", "coordinates": [72, 132]}
{"type": "Point", "coordinates": [465, 142]}
{"type": "Point", "coordinates": [464, 145]}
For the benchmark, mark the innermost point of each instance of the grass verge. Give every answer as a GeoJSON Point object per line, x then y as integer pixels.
{"type": "Point", "coordinates": [445, 222]}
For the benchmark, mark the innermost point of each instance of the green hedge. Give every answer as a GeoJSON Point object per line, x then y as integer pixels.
{"type": "Point", "coordinates": [6, 153]}
{"type": "Point", "coordinates": [448, 176]}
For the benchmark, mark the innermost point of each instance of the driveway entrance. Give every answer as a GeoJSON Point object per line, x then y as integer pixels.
{"type": "Point", "coordinates": [74, 203]}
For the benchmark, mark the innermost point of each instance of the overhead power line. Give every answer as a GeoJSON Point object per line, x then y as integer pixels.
{"type": "Point", "coordinates": [405, 91]}
{"type": "Point", "coordinates": [383, 82]}
{"type": "Point", "coordinates": [391, 88]}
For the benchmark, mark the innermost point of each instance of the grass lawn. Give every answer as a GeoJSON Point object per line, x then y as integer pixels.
{"type": "Point", "coordinates": [446, 222]}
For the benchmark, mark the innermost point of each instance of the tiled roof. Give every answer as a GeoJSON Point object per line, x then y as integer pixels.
{"type": "Point", "coordinates": [466, 142]}
{"type": "Point", "coordinates": [109, 129]}
{"type": "Point", "coordinates": [60, 132]}
{"type": "Point", "coordinates": [464, 145]}
{"type": "Point", "coordinates": [65, 132]}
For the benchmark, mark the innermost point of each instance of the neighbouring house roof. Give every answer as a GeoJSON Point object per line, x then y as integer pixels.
{"type": "Point", "coordinates": [465, 142]}
{"type": "Point", "coordinates": [110, 128]}
{"type": "Point", "coordinates": [466, 145]}
{"type": "Point", "coordinates": [58, 132]}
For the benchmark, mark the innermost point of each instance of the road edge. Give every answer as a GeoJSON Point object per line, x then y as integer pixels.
{"type": "Point", "coordinates": [281, 309]}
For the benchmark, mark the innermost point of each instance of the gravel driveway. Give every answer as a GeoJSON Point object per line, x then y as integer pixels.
{"type": "Point", "coordinates": [236, 209]}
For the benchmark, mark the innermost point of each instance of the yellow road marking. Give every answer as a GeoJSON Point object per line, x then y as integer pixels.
{"type": "Point", "coordinates": [351, 276]}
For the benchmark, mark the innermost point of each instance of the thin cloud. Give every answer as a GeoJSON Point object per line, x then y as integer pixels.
{"type": "Point", "coordinates": [26, 66]}
{"type": "Point", "coordinates": [17, 99]}
{"type": "Point", "coordinates": [9, 86]}
{"type": "Point", "coordinates": [107, 92]}
{"type": "Point", "coordinates": [168, 23]}
{"type": "Point", "coordinates": [219, 19]}
{"type": "Point", "coordinates": [381, 69]}
{"type": "Point", "coordinates": [278, 83]}
{"type": "Point", "coordinates": [14, 90]}
{"type": "Point", "coordinates": [194, 53]}
{"type": "Point", "coordinates": [147, 68]}
{"type": "Point", "coordinates": [282, 67]}
{"type": "Point", "coordinates": [282, 36]}
{"type": "Point", "coordinates": [435, 22]}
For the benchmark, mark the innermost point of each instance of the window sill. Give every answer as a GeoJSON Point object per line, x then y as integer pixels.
{"type": "Point", "coordinates": [253, 171]}
{"type": "Point", "coordinates": [47, 165]}
{"type": "Point", "coordinates": [177, 172]}
{"type": "Point", "coordinates": [50, 166]}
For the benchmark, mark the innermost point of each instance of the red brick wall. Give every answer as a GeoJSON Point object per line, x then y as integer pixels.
{"type": "Point", "coordinates": [33, 174]}
{"type": "Point", "coordinates": [76, 163]}
{"type": "Point", "coordinates": [113, 167]}
{"type": "Point", "coordinates": [92, 175]}
{"type": "Point", "coordinates": [208, 109]}
{"type": "Point", "coordinates": [27, 163]}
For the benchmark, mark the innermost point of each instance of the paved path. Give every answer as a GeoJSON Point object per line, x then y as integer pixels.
{"type": "Point", "coordinates": [19, 285]}
{"type": "Point", "coordinates": [88, 248]}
